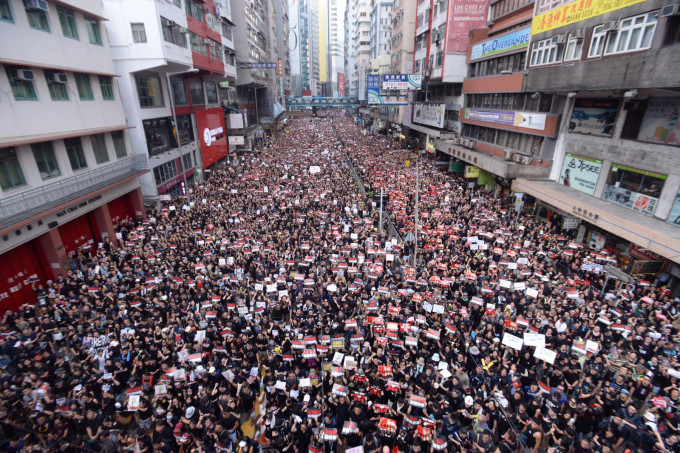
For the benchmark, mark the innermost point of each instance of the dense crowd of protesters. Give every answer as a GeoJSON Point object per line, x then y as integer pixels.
{"type": "Point", "coordinates": [271, 301]}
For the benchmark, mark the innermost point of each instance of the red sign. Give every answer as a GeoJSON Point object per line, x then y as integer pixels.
{"type": "Point", "coordinates": [306, 92]}
{"type": "Point", "coordinates": [464, 15]}
{"type": "Point", "coordinates": [212, 135]}
{"type": "Point", "coordinates": [341, 84]}
{"type": "Point", "coordinates": [279, 65]}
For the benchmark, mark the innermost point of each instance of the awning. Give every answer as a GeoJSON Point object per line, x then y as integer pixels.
{"type": "Point", "coordinates": [651, 233]}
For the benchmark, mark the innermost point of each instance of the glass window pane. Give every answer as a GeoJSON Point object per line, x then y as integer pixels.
{"type": "Point", "coordinates": [119, 143]}
{"type": "Point", "coordinates": [11, 174]}
{"type": "Point", "coordinates": [101, 155]}
{"type": "Point", "coordinates": [46, 160]}
{"type": "Point", "coordinates": [84, 87]}
{"type": "Point", "coordinates": [179, 93]}
{"type": "Point", "coordinates": [149, 91]}
{"type": "Point", "coordinates": [5, 11]}
{"type": "Point", "coordinates": [76, 156]}
{"type": "Point", "coordinates": [138, 33]}
{"type": "Point", "coordinates": [37, 19]}
{"type": "Point", "coordinates": [106, 85]}
{"type": "Point", "coordinates": [68, 23]}
{"type": "Point", "coordinates": [93, 31]}
{"type": "Point", "coordinates": [196, 89]}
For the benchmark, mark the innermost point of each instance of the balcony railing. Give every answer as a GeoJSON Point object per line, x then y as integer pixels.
{"type": "Point", "coordinates": [32, 202]}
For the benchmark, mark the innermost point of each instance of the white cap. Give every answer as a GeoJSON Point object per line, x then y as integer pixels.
{"type": "Point", "coordinates": [469, 401]}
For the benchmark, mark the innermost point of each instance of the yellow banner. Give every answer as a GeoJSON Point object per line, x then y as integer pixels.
{"type": "Point", "coordinates": [471, 171]}
{"type": "Point", "coordinates": [576, 11]}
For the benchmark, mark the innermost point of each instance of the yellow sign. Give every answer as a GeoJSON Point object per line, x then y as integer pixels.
{"type": "Point", "coordinates": [408, 163]}
{"type": "Point", "coordinates": [576, 11]}
{"type": "Point", "coordinates": [471, 171]}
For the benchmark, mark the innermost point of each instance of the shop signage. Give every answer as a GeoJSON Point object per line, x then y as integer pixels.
{"type": "Point", "coordinates": [341, 84]}
{"type": "Point", "coordinates": [638, 202]}
{"type": "Point", "coordinates": [279, 67]}
{"type": "Point", "coordinates": [429, 114]}
{"type": "Point", "coordinates": [580, 173]}
{"type": "Point", "coordinates": [525, 120]}
{"type": "Point", "coordinates": [377, 99]}
{"type": "Point", "coordinates": [401, 82]}
{"type": "Point", "coordinates": [465, 15]}
{"type": "Point", "coordinates": [570, 223]}
{"type": "Point", "coordinates": [594, 116]}
{"type": "Point", "coordinates": [471, 172]}
{"type": "Point", "coordinates": [237, 140]}
{"type": "Point", "coordinates": [576, 11]}
{"type": "Point", "coordinates": [660, 123]}
{"type": "Point", "coordinates": [674, 218]}
{"type": "Point", "coordinates": [513, 41]}
{"type": "Point", "coordinates": [210, 123]}
{"type": "Point", "coordinates": [80, 205]}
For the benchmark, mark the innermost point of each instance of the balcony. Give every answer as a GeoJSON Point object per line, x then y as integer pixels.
{"type": "Point", "coordinates": [33, 202]}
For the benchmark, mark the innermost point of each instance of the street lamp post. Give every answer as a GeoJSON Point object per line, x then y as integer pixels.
{"type": "Point", "coordinates": [174, 119]}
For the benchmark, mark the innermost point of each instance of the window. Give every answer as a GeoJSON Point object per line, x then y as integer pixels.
{"type": "Point", "coordinates": [211, 92]}
{"type": "Point", "coordinates": [149, 91]}
{"type": "Point", "coordinates": [186, 131]}
{"type": "Point", "coordinates": [178, 3]}
{"type": "Point", "coordinates": [5, 11]}
{"type": "Point", "coordinates": [179, 94]}
{"type": "Point", "coordinates": [84, 87]}
{"type": "Point", "coordinates": [68, 23]}
{"type": "Point", "coordinates": [165, 171]}
{"type": "Point", "coordinates": [46, 160]}
{"type": "Point", "coordinates": [197, 44]}
{"type": "Point", "coordinates": [194, 9]}
{"type": "Point", "coordinates": [672, 35]}
{"type": "Point", "coordinates": [634, 33]}
{"type": "Point", "coordinates": [440, 59]}
{"type": "Point", "coordinates": [173, 33]}
{"type": "Point", "coordinates": [597, 42]}
{"type": "Point", "coordinates": [76, 156]}
{"type": "Point", "coordinates": [101, 155]}
{"type": "Point", "coordinates": [635, 189]}
{"type": "Point", "coordinates": [196, 90]}
{"type": "Point", "coordinates": [119, 143]}
{"type": "Point", "coordinates": [93, 31]}
{"type": "Point", "coordinates": [574, 49]}
{"type": "Point", "coordinates": [37, 18]}
{"type": "Point", "coordinates": [187, 161]}
{"type": "Point", "coordinates": [11, 175]}
{"type": "Point", "coordinates": [106, 85]}
{"type": "Point", "coordinates": [138, 33]}
{"type": "Point", "coordinates": [546, 52]}
{"type": "Point", "coordinates": [22, 89]}
{"type": "Point", "coordinates": [226, 30]}
{"type": "Point", "coordinates": [58, 89]}
{"type": "Point", "coordinates": [159, 135]}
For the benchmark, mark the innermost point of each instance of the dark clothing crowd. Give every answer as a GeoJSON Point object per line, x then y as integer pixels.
{"type": "Point", "coordinates": [267, 311]}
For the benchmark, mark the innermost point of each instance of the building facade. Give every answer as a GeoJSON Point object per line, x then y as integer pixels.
{"type": "Point", "coordinates": [336, 43]}
{"type": "Point", "coordinates": [381, 29]}
{"type": "Point", "coordinates": [68, 173]}
{"type": "Point", "coordinates": [350, 73]}
{"type": "Point", "coordinates": [173, 60]}
{"type": "Point", "coordinates": [616, 166]}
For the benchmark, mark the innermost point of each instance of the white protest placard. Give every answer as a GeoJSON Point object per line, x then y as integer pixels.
{"type": "Point", "coordinates": [474, 246]}
{"type": "Point", "coordinates": [436, 308]}
{"type": "Point", "coordinates": [271, 288]}
{"type": "Point", "coordinates": [350, 363]}
{"type": "Point", "coordinates": [222, 262]}
{"type": "Point", "coordinates": [522, 260]}
{"type": "Point", "coordinates": [531, 292]}
{"type": "Point", "coordinates": [512, 266]}
{"type": "Point", "coordinates": [389, 257]}
{"type": "Point", "coordinates": [133, 403]}
{"type": "Point", "coordinates": [200, 336]}
{"type": "Point", "coordinates": [534, 339]}
{"type": "Point", "coordinates": [283, 293]}
{"type": "Point", "coordinates": [520, 286]}
{"type": "Point", "coordinates": [305, 382]}
{"type": "Point", "coordinates": [545, 354]}
{"type": "Point", "coordinates": [483, 246]}
{"type": "Point", "coordinates": [592, 346]}
{"type": "Point", "coordinates": [259, 286]}
{"type": "Point", "coordinates": [427, 307]}
{"type": "Point", "coordinates": [160, 390]}
{"type": "Point", "coordinates": [314, 169]}
{"type": "Point", "coordinates": [512, 341]}
{"type": "Point", "coordinates": [358, 449]}
{"type": "Point", "coordinates": [505, 283]}
{"type": "Point", "coordinates": [472, 239]}
{"type": "Point", "coordinates": [337, 358]}
{"type": "Point", "coordinates": [280, 385]}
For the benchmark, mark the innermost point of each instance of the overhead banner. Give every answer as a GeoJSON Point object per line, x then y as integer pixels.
{"type": "Point", "coordinates": [372, 86]}
{"type": "Point", "coordinates": [429, 114]}
{"type": "Point", "coordinates": [524, 120]}
{"type": "Point", "coordinates": [660, 123]}
{"type": "Point", "coordinates": [464, 15]}
{"type": "Point", "coordinates": [576, 11]}
{"type": "Point", "coordinates": [211, 130]}
{"type": "Point", "coordinates": [580, 173]}
{"type": "Point", "coordinates": [594, 116]}
{"type": "Point", "coordinates": [471, 171]}
{"type": "Point", "coordinates": [378, 99]}
{"type": "Point", "coordinates": [516, 40]}
{"type": "Point", "coordinates": [341, 84]}
{"type": "Point", "coordinates": [401, 82]}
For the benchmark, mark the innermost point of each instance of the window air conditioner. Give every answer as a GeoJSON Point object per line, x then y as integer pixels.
{"type": "Point", "coordinates": [170, 23]}
{"type": "Point", "coordinates": [24, 74]}
{"type": "Point", "coordinates": [670, 10]}
{"type": "Point", "coordinates": [57, 77]}
{"type": "Point", "coordinates": [611, 25]}
{"type": "Point", "coordinates": [559, 39]}
{"type": "Point", "coordinates": [207, 41]}
{"type": "Point", "coordinates": [37, 4]}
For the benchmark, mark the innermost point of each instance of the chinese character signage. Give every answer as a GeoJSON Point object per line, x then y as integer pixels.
{"type": "Point", "coordinates": [516, 40]}
{"type": "Point", "coordinates": [576, 11]}
{"type": "Point", "coordinates": [464, 15]}
{"type": "Point", "coordinates": [341, 84]}
{"type": "Point", "coordinates": [401, 82]}
{"type": "Point", "coordinates": [594, 116]}
{"type": "Point", "coordinates": [524, 120]}
{"type": "Point", "coordinates": [429, 114]}
{"type": "Point", "coordinates": [660, 124]}
{"type": "Point", "coordinates": [279, 65]}
{"type": "Point", "coordinates": [580, 173]}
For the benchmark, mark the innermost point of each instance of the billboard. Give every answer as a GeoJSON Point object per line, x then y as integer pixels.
{"type": "Point", "coordinates": [594, 116]}
{"type": "Point", "coordinates": [294, 36]}
{"type": "Point", "coordinates": [674, 217]}
{"type": "Point", "coordinates": [580, 173]}
{"type": "Point", "coordinates": [464, 15]}
{"type": "Point", "coordinates": [237, 140]}
{"type": "Point", "coordinates": [513, 41]}
{"type": "Point", "coordinates": [373, 85]}
{"type": "Point", "coordinates": [341, 84]}
{"type": "Point", "coordinates": [524, 120]}
{"type": "Point", "coordinates": [236, 121]}
{"type": "Point", "coordinates": [401, 82]}
{"type": "Point", "coordinates": [213, 138]}
{"type": "Point", "coordinates": [660, 123]}
{"type": "Point", "coordinates": [429, 114]}
{"type": "Point", "coordinates": [576, 11]}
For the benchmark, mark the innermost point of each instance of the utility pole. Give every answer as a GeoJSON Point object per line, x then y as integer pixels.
{"type": "Point", "coordinates": [381, 206]}
{"type": "Point", "coordinates": [415, 250]}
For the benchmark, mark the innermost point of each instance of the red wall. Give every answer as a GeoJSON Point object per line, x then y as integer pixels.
{"type": "Point", "coordinates": [121, 209]}
{"type": "Point", "coordinates": [77, 232]}
{"type": "Point", "coordinates": [16, 266]}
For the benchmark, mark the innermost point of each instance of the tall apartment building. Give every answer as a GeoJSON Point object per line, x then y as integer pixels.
{"type": "Point", "coordinates": [350, 75]}
{"type": "Point", "coordinates": [67, 169]}
{"type": "Point", "coordinates": [304, 47]}
{"type": "Point", "coordinates": [381, 30]}
{"type": "Point", "coordinates": [403, 22]}
{"type": "Point", "coordinates": [336, 42]}
{"type": "Point", "coordinates": [362, 43]}
{"type": "Point", "coordinates": [154, 42]}
{"type": "Point", "coordinates": [506, 132]}
{"type": "Point", "coordinates": [616, 170]}
{"type": "Point", "coordinates": [281, 15]}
